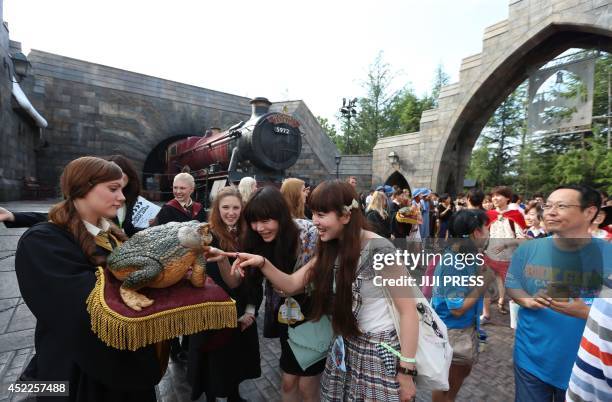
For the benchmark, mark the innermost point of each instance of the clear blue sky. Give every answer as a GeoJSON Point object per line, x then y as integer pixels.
{"type": "Point", "coordinates": [317, 51]}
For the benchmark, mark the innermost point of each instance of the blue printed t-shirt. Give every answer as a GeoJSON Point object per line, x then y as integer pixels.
{"type": "Point", "coordinates": [451, 295]}
{"type": "Point", "coordinates": [546, 341]}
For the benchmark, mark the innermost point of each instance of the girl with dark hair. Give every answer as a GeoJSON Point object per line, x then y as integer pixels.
{"type": "Point", "coordinates": [459, 306]}
{"type": "Point", "coordinates": [342, 279]}
{"type": "Point", "coordinates": [219, 361]}
{"type": "Point", "coordinates": [534, 217]}
{"type": "Point", "coordinates": [55, 265]}
{"type": "Point", "coordinates": [287, 244]}
{"type": "Point", "coordinates": [400, 226]}
{"type": "Point", "coordinates": [131, 191]}
{"type": "Point", "coordinates": [446, 208]}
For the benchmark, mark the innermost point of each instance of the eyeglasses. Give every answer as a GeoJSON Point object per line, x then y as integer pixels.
{"type": "Point", "coordinates": [560, 207]}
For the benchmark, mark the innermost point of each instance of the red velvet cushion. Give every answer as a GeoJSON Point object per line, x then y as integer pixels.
{"type": "Point", "coordinates": [178, 295]}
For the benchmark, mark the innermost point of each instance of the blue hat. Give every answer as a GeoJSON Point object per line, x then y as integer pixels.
{"type": "Point", "coordinates": [380, 188]}
{"type": "Point", "coordinates": [388, 189]}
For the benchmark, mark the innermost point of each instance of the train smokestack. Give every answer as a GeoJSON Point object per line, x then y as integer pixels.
{"type": "Point", "coordinates": [259, 106]}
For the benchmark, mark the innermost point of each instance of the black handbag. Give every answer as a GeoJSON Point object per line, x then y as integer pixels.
{"type": "Point", "coordinates": [272, 328]}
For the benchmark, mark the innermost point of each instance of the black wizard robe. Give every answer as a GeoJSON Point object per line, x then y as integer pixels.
{"type": "Point", "coordinates": [172, 211]}
{"type": "Point", "coordinates": [218, 361]}
{"type": "Point", "coordinates": [55, 278]}
{"type": "Point", "coordinates": [29, 219]}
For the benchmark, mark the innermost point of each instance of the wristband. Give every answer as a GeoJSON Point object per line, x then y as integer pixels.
{"type": "Point", "coordinates": [398, 354]}
{"type": "Point", "coordinates": [263, 263]}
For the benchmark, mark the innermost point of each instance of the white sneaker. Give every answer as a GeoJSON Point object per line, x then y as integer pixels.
{"type": "Point", "coordinates": [484, 320]}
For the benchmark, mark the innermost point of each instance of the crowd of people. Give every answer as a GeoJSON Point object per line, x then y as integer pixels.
{"type": "Point", "coordinates": [304, 258]}
{"type": "Point", "coordinates": [564, 223]}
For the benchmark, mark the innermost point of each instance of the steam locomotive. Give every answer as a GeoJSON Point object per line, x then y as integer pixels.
{"type": "Point", "coordinates": [263, 147]}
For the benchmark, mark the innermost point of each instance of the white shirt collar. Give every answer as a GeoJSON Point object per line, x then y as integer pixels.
{"type": "Point", "coordinates": [95, 230]}
{"type": "Point", "coordinates": [121, 212]}
{"type": "Point", "coordinates": [187, 204]}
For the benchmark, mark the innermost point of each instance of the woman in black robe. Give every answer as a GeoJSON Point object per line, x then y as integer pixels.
{"type": "Point", "coordinates": [55, 265]}
{"type": "Point", "coordinates": [220, 360]}
{"type": "Point", "coordinates": [181, 209]}
{"type": "Point", "coordinates": [131, 191]}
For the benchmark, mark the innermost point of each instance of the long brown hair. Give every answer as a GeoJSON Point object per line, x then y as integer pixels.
{"type": "Point", "coordinates": [78, 178]}
{"type": "Point", "coordinates": [333, 196]}
{"type": "Point", "coordinates": [228, 241]}
{"type": "Point", "coordinates": [292, 191]}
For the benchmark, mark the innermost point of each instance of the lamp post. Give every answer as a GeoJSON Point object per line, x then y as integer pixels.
{"type": "Point", "coordinates": [21, 67]}
{"type": "Point", "coordinates": [348, 111]}
{"type": "Point", "coordinates": [338, 158]}
{"type": "Point", "coordinates": [393, 159]}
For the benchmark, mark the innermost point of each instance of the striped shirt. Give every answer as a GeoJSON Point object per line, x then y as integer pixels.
{"type": "Point", "coordinates": [591, 378]}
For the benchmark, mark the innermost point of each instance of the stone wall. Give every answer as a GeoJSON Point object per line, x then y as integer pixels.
{"type": "Point", "coordinates": [99, 110]}
{"type": "Point", "coordinates": [359, 166]}
{"type": "Point", "coordinates": [18, 133]}
{"type": "Point", "coordinates": [409, 148]}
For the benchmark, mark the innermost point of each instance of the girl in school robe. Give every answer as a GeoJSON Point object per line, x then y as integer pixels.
{"type": "Point", "coordinates": [55, 265]}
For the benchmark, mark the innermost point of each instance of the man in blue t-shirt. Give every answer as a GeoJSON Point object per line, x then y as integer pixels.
{"type": "Point", "coordinates": [554, 281]}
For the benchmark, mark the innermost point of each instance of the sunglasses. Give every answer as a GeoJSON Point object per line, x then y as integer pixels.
{"type": "Point", "coordinates": [428, 319]}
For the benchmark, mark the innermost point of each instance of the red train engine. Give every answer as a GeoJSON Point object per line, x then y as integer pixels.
{"type": "Point", "coordinates": [262, 147]}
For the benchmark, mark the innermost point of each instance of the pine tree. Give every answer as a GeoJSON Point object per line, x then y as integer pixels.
{"type": "Point", "coordinates": [375, 109]}
{"type": "Point", "coordinates": [440, 79]}
{"type": "Point", "coordinates": [505, 127]}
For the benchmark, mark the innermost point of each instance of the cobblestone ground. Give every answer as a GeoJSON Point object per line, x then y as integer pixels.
{"type": "Point", "coordinates": [491, 378]}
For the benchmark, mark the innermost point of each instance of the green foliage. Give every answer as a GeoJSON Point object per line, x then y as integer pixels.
{"type": "Point", "coordinates": [440, 79]}
{"type": "Point", "coordinates": [494, 158]}
{"type": "Point", "coordinates": [603, 67]}
{"type": "Point", "coordinates": [504, 153]}
{"type": "Point", "coordinates": [375, 110]}
{"type": "Point", "coordinates": [332, 133]}
{"type": "Point", "coordinates": [384, 112]}
{"type": "Point", "coordinates": [407, 111]}
{"type": "Point", "coordinates": [590, 165]}
{"type": "Point", "coordinates": [482, 165]}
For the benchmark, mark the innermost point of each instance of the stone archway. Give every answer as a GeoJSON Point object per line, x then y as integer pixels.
{"type": "Point", "coordinates": [154, 169]}
{"type": "Point", "coordinates": [397, 178]}
{"type": "Point", "coordinates": [535, 32]}
{"type": "Point", "coordinates": [453, 153]}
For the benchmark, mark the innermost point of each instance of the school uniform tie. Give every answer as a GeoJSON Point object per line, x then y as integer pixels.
{"type": "Point", "coordinates": [106, 240]}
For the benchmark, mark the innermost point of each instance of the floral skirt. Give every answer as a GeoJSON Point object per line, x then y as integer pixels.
{"type": "Point", "coordinates": [370, 371]}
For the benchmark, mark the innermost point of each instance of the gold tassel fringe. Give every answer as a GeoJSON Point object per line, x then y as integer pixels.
{"type": "Point", "coordinates": [123, 333]}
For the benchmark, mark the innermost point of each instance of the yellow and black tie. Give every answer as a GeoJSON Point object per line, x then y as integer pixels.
{"type": "Point", "coordinates": [107, 241]}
